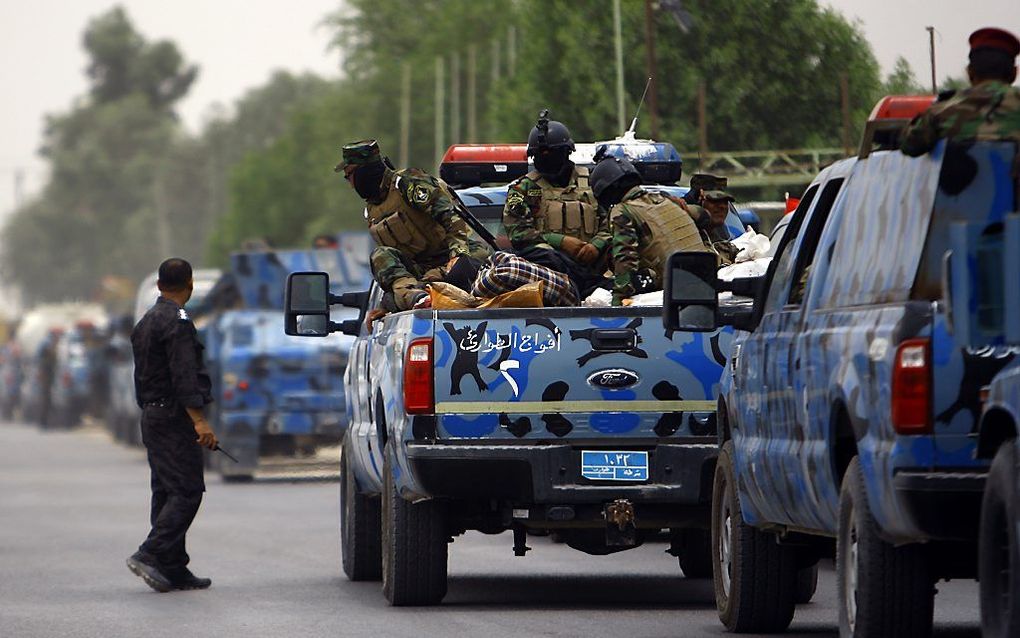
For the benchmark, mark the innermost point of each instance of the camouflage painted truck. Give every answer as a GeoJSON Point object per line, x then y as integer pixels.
{"type": "Point", "coordinates": [593, 423]}
{"type": "Point", "coordinates": [849, 413]}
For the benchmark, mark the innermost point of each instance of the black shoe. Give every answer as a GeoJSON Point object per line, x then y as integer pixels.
{"type": "Point", "coordinates": [146, 568]}
{"type": "Point", "coordinates": [183, 579]}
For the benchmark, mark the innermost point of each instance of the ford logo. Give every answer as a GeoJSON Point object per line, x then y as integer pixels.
{"type": "Point", "coordinates": [613, 379]}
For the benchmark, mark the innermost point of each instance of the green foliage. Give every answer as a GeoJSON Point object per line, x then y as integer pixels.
{"type": "Point", "coordinates": [902, 81]}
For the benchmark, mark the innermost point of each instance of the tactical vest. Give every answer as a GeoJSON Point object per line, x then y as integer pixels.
{"type": "Point", "coordinates": [570, 210]}
{"type": "Point", "coordinates": [395, 223]}
{"type": "Point", "coordinates": [669, 228]}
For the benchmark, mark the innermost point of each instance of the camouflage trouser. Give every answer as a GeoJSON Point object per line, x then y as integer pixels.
{"type": "Point", "coordinates": [175, 462]}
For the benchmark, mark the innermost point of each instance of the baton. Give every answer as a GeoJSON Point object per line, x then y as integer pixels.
{"type": "Point", "coordinates": [225, 453]}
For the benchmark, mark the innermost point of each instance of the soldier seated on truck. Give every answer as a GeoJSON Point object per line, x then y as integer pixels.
{"type": "Point", "coordinates": [647, 227]}
{"type": "Point", "coordinates": [551, 215]}
{"type": "Point", "coordinates": [419, 236]}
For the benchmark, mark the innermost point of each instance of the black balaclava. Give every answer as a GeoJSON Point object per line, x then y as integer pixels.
{"type": "Point", "coordinates": [613, 195]}
{"type": "Point", "coordinates": [555, 166]}
{"type": "Point", "coordinates": [368, 180]}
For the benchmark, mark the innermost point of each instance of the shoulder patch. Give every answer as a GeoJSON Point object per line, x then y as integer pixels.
{"type": "Point", "coordinates": [182, 314]}
{"type": "Point", "coordinates": [514, 198]}
{"type": "Point", "coordinates": [419, 194]}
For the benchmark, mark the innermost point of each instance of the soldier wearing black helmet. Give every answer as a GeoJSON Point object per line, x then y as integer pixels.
{"type": "Point", "coordinates": [553, 206]}
{"type": "Point", "coordinates": [647, 227]}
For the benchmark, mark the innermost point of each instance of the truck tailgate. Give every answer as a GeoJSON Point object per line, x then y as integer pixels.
{"type": "Point", "coordinates": [573, 373]}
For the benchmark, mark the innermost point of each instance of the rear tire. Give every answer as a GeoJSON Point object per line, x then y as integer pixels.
{"type": "Point", "coordinates": [754, 576]}
{"type": "Point", "coordinates": [415, 550]}
{"type": "Point", "coordinates": [807, 584]}
{"type": "Point", "coordinates": [998, 548]}
{"type": "Point", "coordinates": [882, 590]}
{"type": "Point", "coordinates": [696, 553]}
{"type": "Point", "coordinates": [360, 526]}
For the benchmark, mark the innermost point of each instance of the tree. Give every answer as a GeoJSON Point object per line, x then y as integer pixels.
{"type": "Point", "coordinates": [901, 81]}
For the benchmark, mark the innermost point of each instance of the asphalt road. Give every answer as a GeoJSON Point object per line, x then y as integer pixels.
{"type": "Point", "coordinates": [73, 506]}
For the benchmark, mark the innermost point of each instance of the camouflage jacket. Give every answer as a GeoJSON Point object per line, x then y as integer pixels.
{"type": "Point", "coordinates": [523, 205]}
{"type": "Point", "coordinates": [644, 233]}
{"type": "Point", "coordinates": [417, 190]}
{"type": "Point", "coordinates": [988, 111]}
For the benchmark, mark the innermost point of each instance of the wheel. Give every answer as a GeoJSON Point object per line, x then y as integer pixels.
{"type": "Point", "coordinates": [696, 553]}
{"type": "Point", "coordinates": [754, 576]}
{"type": "Point", "coordinates": [360, 527]}
{"type": "Point", "coordinates": [807, 583]}
{"type": "Point", "coordinates": [882, 590]}
{"type": "Point", "coordinates": [998, 548]}
{"type": "Point", "coordinates": [414, 547]}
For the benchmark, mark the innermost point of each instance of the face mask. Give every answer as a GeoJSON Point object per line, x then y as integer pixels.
{"type": "Point", "coordinates": [368, 180]}
{"type": "Point", "coordinates": [550, 164]}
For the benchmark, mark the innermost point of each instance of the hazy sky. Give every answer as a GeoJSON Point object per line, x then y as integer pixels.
{"type": "Point", "coordinates": [237, 43]}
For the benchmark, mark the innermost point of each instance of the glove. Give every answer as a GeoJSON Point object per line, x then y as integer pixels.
{"type": "Point", "coordinates": [571, 245]}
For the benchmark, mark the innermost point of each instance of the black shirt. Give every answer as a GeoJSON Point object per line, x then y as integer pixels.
{"type": "Point", "coordinates": [168, 358]}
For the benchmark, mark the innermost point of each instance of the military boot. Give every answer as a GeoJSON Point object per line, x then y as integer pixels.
{"type": "Point", "coordinates": [147, 568]}
{"type": "Point", "coordinates": [183, 579]}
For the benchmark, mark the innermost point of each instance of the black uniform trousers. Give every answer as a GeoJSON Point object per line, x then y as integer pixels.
{"type": "Point", "coordinates": [175, 461]}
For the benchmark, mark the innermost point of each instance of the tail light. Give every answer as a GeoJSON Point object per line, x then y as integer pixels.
{"type": "Point", "coordinates": [911, 388]}
{"type": "Point", "coordinates": [418, 394]}
{"type": "Point", "coordinates": [242, 386]}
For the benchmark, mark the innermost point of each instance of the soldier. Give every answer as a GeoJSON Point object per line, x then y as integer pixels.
{"type": "Point", "coordinates": [701, 182]}
{"type": "Point", "coordinates": [647, 228]}
{"type": "Point", "coordinates": [553, 207]}
{"type": "Point", "coordinates": [711, 221]}
{"type": "Point", "coordinates": [988, 110]}
{"type": "Point", "coordinates": [419, 236]}
{"type": "Point", "coordinates": [171, 386]}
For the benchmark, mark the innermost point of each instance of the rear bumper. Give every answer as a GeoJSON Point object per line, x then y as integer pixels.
{"type": "Point", "coordinates": [944, 505]}
{"type": "Point", "coordinates": [679, 473]}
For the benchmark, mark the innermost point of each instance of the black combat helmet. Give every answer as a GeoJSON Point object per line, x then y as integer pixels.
{"type": "Point", "coordinates": [612, 177]}
{"type": "Point", "coordinates": [549, 134]}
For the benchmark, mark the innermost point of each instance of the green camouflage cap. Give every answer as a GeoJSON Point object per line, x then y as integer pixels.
{"type": "Point", "coordinates": [716, 195]}
{"type": "Point", "coordinates": [359, 153]}
{"type": "Point", "coordinates": [706, 181]}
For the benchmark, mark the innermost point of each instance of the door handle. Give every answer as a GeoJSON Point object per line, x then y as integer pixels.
{"type": "Point", "coordinates": [613, 339]}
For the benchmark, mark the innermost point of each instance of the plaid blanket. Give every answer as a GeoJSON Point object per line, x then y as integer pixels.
{"type": "Point", "coordinates": [505, 272]}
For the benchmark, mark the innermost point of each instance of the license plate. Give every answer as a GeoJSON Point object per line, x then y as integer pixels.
{"type": "Point", "coordinates": [614, 465]}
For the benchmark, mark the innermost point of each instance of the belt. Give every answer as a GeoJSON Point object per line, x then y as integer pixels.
{"type": "Point", "coordinates": [158, 403]}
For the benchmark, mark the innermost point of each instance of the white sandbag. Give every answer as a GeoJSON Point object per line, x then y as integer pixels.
{"type": "Point", "coordinates": [599, 298]}
{"type": "Point", "coordinates": [752, 246]}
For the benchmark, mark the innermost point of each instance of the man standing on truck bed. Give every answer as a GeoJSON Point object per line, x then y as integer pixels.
{"type": "Point", "coordinates": [988, 110]}
{"type": "Point", "coordinates": [419, 236]}
{"type": "Point", "coordinates": [647, 227]}
{"type": "Point", "coordinates": [553, 207]}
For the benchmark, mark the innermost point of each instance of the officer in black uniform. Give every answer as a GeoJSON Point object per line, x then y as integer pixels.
{"type": "Point", "coordinates": [171, 386]}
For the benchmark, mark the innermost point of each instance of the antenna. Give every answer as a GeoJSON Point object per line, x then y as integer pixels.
{"type": "Point", "coordinates": [633, 123]}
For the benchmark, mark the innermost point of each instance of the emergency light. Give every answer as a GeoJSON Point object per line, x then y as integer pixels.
{"type": "Point", "coordinates": [475, 164]}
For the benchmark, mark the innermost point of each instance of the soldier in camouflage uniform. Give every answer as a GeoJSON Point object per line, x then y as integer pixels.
{"type": "Point", "coordinates": [552, 207]}
{"type": "Point", "coordinates": [988, 110]}
{"type": "Point", "coordinates": [411, 216]}
{"type": "Point", "coordinates": [647, 228]}
{"type": "Point", "coordinates": [710, 219]}
{"type": "Point", "coordinates": [701, 182]}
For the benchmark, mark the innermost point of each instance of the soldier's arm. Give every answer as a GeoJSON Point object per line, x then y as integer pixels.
{"type": "Point", "coordinates": [519, 216]}
{"type": "Point", "coordinates": [603, 238]}
{"type": "Point", "coordinates": [182, 349]}
{"type": "Point", "coordinates": [625, 256]}
{"type": "Point", "coordinates": [426, 196]}
{"type": "Point", "coordinates": [920, 136]}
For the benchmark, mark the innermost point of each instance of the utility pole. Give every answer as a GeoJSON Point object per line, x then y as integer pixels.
{"type": "Point", "coordinates": [494, 81]}
{"type": "Point", "coordinates": [621, 117]}
{"type": "Point", "coordinates": [405, 114]}
{"type": "Point", "coordinates": [651, 68]}
{"type": "Point", "coordinates": [19, 186]}
{"type": "Point", "coordinates": [931, 50]}
{"type": "Point", "coordinates": [511, 50]}
{"type": "Point", "coordinates": [844, 91]}
{"type": "Point", "coordinates": [472, 94]}
{"type": "Point", "coordinates": [702, 124]}
{"type": "Point", "coordinates": [440, 113]}
{"type": "Point", "coordinates": [455, 97]}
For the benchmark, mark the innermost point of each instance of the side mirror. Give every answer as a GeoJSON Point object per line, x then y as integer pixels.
{"type": "Point", "coordinates": [306, 305]}
{"type": "Point", "coordinates": [691, 292]}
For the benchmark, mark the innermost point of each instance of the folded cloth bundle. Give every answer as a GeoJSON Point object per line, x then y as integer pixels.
{"type": "Point", "coordinates": [449, 297]}
{"type": "Point", "coordinates": [505, 272]}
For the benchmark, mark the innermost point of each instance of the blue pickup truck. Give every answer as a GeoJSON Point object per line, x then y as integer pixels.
{"type": "Point", "coordinates": [985, 299]}
{"type": "Point", "coordinates": [850, 411]}
{"type": "Point", "coordinates": [591, 422]}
